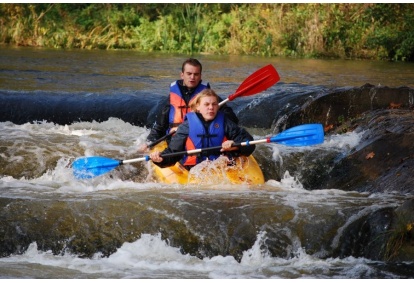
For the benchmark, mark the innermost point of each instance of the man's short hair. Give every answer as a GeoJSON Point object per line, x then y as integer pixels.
{"type": "Point", "coordinates": [192, 62]}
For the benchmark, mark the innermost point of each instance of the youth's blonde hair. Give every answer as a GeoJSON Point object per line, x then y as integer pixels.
{"type": "Point", "coordinates": [208, 92]}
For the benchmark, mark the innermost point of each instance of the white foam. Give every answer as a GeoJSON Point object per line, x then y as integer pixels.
{"type": "Point", "coordinates": [152, 257]}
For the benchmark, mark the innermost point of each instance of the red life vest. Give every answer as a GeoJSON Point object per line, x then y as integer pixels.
{"type": "Point", "coordinates": [178, 107]}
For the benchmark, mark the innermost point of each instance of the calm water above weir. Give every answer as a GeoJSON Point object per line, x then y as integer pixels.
{"type": "Point", "coordinates": [58, 105]}
{"type": "Point", "coordinates": [113, 72]}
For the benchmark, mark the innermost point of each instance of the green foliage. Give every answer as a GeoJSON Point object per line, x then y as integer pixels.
{"type": "Point", "coordinates": [392, 31]}
{"type": "Point", "coordinates": [341, 30]}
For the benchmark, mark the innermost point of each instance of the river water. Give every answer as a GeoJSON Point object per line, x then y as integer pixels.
{"type": "Point", "coordinates": [58, 105]}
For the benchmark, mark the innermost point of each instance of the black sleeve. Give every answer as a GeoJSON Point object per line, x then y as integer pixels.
{"type": "Point", "coordinates": [239, 135]}
{"type": "Point", "coordinates": [176, 144]}
{"type": "Point", "coordinates": [161, 125]}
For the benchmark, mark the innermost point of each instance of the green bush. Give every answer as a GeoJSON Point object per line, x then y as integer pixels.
{"type": "Point", "coordinates": [340, 30]}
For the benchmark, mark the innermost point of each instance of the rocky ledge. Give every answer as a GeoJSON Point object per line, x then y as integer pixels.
{"type": "Point", "coordinates": [383, 162]}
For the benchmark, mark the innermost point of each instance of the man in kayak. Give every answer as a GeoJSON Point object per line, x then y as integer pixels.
{"type": "Point", "coordinates": [204, 127]}
{"type": "Point", "coordinates": [182, 92]}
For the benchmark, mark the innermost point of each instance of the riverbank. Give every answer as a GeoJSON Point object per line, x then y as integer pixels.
{"type": "Point", "coordinates": [375, 31]}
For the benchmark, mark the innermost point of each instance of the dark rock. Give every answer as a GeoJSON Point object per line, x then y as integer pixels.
{"type": "Point", "coordinates": [400, 245]}
{"type": "Point", "coordinates": [340, 106]}
{"type": "Point", "coordinates": [383, 161]}
{"type": "Point", "coordinates": [366, 236]}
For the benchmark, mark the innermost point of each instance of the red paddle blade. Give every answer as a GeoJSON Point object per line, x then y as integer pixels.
{"type": "Point", "coordinates": [257, 82]}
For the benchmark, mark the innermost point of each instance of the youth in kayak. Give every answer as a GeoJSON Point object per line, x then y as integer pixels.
{"type": "Point", "coordinates": [204, 127]}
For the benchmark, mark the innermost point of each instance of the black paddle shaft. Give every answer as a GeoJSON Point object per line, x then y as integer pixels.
{"type": "Point", "coordinates": [196, 151]}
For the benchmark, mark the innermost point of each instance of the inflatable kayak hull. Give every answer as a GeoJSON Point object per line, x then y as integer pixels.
{"type": "Point", "coordinates": [243, 170]}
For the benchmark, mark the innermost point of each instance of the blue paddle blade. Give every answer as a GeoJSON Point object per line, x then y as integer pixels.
{"type": "Point", "coordinates": [303, 135]}
{"type": "Point", "coordinates": [89, 167]}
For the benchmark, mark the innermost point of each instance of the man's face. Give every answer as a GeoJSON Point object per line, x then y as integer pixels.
{"type": "Point", "coordinates": [191, 76]}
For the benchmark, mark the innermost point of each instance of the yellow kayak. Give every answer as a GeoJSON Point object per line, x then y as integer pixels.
{"type": "Point", "coordinates": [245, 170]}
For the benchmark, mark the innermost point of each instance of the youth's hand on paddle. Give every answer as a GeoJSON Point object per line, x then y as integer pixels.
{"type": "Point", "coordinates": [156, 156]}
{"type": "Point", "coordinates": [227, 146]}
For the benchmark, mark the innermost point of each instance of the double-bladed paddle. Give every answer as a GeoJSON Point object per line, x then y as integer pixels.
{"type": "Point", "coordinates": [303, 135]}
{"type": "Point", "coordinates": [257, 82]}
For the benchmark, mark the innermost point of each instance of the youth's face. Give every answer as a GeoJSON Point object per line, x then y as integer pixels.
{"type": "Point", "coordinates": [208, 107]}
{"type": "Point", "coordinates": [191, 76]}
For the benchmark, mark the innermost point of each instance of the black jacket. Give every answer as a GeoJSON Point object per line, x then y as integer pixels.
{"type": "Point", "coordinates": [232, 132]}
{"type": "Point", "coordinates": [162, 123]}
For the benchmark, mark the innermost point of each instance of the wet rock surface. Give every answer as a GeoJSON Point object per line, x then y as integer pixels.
{"type": "Point", "coordinates": [383, 162]}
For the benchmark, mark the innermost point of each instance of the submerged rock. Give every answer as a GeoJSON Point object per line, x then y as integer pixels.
{"type": "Point", "coordinates": [386, 234]}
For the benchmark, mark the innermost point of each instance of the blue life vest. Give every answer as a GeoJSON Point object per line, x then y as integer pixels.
{"type": "Point", "coordinates": [198, 137]}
